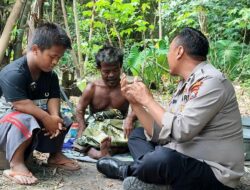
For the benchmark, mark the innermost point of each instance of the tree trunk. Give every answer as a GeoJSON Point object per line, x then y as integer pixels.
{"type": "Point", "coordinates": [80, 60]}
{"type": "Point", "coordinates": [40, 9]}
{"type": "Point", "coordinates": [107, 33]}
{"type": "Point", "coordinates": [118, 35]}
{"type": "Point", "coordinates": [5, 10]}
{"type": "Point", "coordinates": [18, 50]}
{"type": "Point", "coordinates": [151, 33]}
{"type": "Point", "coordinates": [160, 22]}
{"type": "Point", "coordinates": [72, 52]}
{"type": "Point", "coordinates": [202, 17]}
{"type": "Point", "coordinates": [53, 11]}
{"type": "Point", "coordinates": [5, 37]}
{"type": "Point", "coordinates": [91, 29]}
{"type": "Point", "coordinates": [35, 17]}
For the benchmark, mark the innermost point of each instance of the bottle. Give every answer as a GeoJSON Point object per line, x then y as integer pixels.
{"type": "Point", "coordinates": [74, 130]}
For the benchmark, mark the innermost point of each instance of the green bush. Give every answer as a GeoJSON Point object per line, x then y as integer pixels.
{"type": "Point", "coordinates": [232, 58]}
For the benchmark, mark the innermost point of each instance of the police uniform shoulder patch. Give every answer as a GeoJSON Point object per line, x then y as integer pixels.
{"type": "Point", "coordinates": [194, 89]}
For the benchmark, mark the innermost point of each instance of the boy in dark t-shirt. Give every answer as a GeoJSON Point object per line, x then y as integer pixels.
{"type": "Point", "coordinates": [34, 122]}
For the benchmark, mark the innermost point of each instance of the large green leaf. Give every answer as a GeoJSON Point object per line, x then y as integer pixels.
{"type": "Point", "coordinates": [227, 56]}
{"type": "Point", "coordinates": [150, 63]}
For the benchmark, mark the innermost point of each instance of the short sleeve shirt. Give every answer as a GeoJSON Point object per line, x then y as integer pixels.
{"type": "Point", "coordinates": [16, 83]}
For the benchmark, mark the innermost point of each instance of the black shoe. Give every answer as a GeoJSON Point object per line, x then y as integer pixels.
{"type": "Point", "coordinates": [112, 167]}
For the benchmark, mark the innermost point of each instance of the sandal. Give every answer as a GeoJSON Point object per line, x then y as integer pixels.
{"type": "Point", "coordinates": [18, 176]}
{"type": "Point", "coordinates": [70, 165]}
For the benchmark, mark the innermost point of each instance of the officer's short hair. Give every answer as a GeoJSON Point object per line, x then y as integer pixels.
{"type": "Point", "coordinates": [49, 34]}
{"type": "Point", "coordinates": [194, 42]}
{"type": "Point", "coordinates": [109, 55]}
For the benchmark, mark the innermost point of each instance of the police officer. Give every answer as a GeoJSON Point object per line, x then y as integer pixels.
{"type": "Point", "coordinates": [197, 142]}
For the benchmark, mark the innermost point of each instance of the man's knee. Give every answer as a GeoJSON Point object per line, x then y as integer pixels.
{"type": "Point", "coordinates": [163, 158]}
{"type": "Point", "coordinates": [166, 155]}
{"type": "Point", "coordinates": [158, 163]}
{"type": "Point", "coordinates": [137, 133]}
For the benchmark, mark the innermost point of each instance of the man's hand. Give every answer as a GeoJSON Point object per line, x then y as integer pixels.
{"type": "Point", "coordinates": [124, 87]}
{"type": "Point", "coordinates": [84, 101]}
{"type": "Point", "coordinates": [127, 127]}
{"type": "Point", "coordinates": [135, 93]}
{"type": "Point", "coordinates": [81, 129]}
{"type": "Point", "coordinates": [53, 125]}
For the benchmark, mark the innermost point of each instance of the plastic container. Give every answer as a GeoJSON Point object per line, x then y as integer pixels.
{"type": "Point", "coordinates": [74, 130]}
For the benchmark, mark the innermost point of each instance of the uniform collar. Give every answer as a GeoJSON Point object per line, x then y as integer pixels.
{"type": "Point", "coordinates": [198, 67]}
{"type": "Point", "coordinates": [192, 78]}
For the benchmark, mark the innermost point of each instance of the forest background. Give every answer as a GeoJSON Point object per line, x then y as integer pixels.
{"type": "Point", "coordinates": [142, 28]}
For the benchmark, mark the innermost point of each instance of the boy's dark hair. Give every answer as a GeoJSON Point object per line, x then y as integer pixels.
{"type": "Point", "coordinates": [48, 34]}
{"type": "Point", "coordinates": [109, 55]}
{"type": "Point", "coordinates": [194, 42]}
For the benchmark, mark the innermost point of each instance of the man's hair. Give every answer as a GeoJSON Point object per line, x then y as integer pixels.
{"type": "Point", "coordinates": [194, 42]}
{"type": "Point", "coordinates": [109, 55]}
{"type": "Point", "coordinates": [49, 34]}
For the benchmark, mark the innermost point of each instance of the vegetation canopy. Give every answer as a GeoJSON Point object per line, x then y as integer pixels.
{"type": "Point", "coordinates": [141, 28]}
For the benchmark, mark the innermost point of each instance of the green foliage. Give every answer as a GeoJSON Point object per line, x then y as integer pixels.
{"type": "Point", "coordinates": [232, 58]}
{"type": "Point", "coordinates": [223, 19]}
{"type": "Point", "coordinates": [66, 61]}
{"type": "Point", "coordinates": [114, 22]}
{"type": "Point", "coordinates": [150, 63]}
{"type": "Point", "coordinates": [128, 23]}
{"type": "Point", "coordinates": [244, 75]}
{"type": "Point", "coordinates": [123, 21]}
{"type": "Point", "coordinates": [133, 24]}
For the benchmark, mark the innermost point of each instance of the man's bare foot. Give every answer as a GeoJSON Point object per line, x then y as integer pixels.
{"type": "Point", "coordinates": [104, 149]}
{"type": "Point", "coordinates": [105, 146]}
{"type": "Point", "coordinates": [20, 174]}
{"type": "Point", "coordinates": [59, 160]}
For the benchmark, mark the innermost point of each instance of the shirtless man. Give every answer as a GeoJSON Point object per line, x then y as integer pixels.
{"type": "Point", "coordinates": [105, 94]}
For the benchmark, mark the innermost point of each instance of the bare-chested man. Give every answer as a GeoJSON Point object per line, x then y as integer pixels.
{"type": "Point", "coordinates": [105, 94]}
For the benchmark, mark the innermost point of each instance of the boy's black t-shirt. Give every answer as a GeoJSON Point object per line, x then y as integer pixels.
{"type": "Point", "coordinates": [16, 83]}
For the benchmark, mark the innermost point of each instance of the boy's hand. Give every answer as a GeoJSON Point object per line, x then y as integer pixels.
{"type": "Point", "coordinates": [53, 125]}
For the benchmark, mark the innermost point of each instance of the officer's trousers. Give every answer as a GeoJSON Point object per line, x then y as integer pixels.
{"type": "Point", "coordinates": [160, 165]}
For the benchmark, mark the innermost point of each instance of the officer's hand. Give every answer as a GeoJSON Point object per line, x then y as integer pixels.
{"type": "Point", "coordinates": [137, 92]}
{"type": "Point", "coordinates": [124, 88]}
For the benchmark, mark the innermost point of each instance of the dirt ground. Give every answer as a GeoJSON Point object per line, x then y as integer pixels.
{"type": "Point", "coordinates": [88, 177]}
